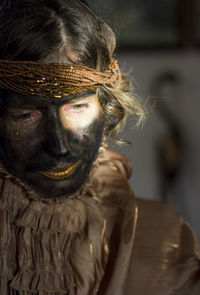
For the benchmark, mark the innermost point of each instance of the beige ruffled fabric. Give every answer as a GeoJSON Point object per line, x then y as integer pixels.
{"type": "Point", "coordinates": [56, 247]}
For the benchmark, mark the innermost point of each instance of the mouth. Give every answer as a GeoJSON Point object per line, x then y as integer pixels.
{"type": "Point", "coordinates": [61, 172]}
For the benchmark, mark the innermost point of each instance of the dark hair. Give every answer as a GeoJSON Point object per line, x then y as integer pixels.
{"type": "Point", "coordinates": [33, 29]}
{"type": "Point", "coordinates": [36, 29]}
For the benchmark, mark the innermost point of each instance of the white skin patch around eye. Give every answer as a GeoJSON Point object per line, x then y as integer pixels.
{"type": "Point", "coordinates": [81, 113]}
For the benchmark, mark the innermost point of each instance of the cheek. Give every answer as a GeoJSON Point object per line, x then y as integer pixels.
{"type": "Point", "coordinates": [18, 139]}
{"type": "Point", "coordinates": [85, 142]}
{"type": "Point", "coordinates": [91, 137]}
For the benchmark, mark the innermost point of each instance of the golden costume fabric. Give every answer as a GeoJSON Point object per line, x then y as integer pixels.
{"type": "Point", "coordinates": [102, 242]}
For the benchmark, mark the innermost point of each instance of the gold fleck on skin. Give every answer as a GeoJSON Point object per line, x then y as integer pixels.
{"type": "Point", "coordinates": [61, 172]}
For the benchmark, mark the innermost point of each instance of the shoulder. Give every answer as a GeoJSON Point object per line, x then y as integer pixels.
{"type": "Point", "coordinates": [157, 215]}
{"type": "Point", "coordinates": [164, 223]}
{"type": "Point", "coordinates": [110, 180]}
{"type": "Point", "coordinates": [165, 254]}
{"type": "Point", "coordinates": [115, 162]}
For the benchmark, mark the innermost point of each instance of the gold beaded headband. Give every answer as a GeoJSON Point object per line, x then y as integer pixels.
{"type": "Point", "coordinates": [54, 80]}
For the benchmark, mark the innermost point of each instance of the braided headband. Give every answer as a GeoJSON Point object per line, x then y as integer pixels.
{"type": "Point", "coordinates": [54, 80]}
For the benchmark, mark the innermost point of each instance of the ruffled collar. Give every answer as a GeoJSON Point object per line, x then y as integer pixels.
{"type": "Point", "coordinates": [27, 210]}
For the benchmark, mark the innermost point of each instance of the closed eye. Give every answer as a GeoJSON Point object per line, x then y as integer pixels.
{"type": "Point", "coordinates": [25, 116]}
{"type": "Point", "coordinates": [79, 114]}
{"type": "Point", "coordinates": [76, 108]}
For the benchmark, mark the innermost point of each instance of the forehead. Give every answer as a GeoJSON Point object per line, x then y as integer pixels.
{"type": "Point", "coordinates": [11, 98]}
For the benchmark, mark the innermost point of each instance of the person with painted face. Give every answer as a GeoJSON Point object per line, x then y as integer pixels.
{"type": "Point", "coordinates": [69, 222]}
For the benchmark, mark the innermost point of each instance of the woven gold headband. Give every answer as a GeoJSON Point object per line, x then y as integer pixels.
{"type": "Point", "coordinates": [54, 80]}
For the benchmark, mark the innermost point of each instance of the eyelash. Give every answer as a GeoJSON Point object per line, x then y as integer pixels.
{"type": "Point", "coordinates": [33, 116]}
{"type": "Point", "coordinates": [76, 108]}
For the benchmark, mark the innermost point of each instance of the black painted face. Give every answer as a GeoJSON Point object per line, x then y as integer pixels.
{"type": "Point", "coordinates": [50, 144]}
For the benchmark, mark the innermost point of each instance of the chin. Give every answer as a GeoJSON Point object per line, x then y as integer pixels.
{"type": "Point", "coordinates": [52, 189]}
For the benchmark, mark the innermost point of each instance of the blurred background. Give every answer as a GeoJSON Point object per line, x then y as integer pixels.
{"type": "Point", "coordinates": [159, 46]}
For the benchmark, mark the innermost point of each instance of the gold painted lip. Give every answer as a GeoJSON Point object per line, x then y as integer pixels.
{"type": "Point", "coordinates": [61, 172]}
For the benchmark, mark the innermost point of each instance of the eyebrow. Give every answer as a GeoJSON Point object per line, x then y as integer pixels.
{"type": "Point", "coordinates": [80, 98]}
{"type": "Point", "coordinates": [24, 107]}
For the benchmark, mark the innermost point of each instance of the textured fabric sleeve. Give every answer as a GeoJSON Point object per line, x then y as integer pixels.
{"type": "Point", "coordinates": [165, 258]}
{"type": "Point", "coordinates": [191, 284]}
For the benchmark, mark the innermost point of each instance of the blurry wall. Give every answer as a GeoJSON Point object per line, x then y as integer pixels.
{"type": "Point", "coordinates": [184, 102]}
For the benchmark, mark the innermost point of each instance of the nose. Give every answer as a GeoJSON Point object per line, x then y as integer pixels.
{"type": "Point", "coordinates": [56, 137]}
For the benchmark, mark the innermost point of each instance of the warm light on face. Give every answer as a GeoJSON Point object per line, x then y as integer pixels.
{"type": "Point", "coordinates": [80, 114]}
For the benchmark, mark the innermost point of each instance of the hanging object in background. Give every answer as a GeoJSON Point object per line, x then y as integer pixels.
{"type": "Point", "coordinates": [170, 143]}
